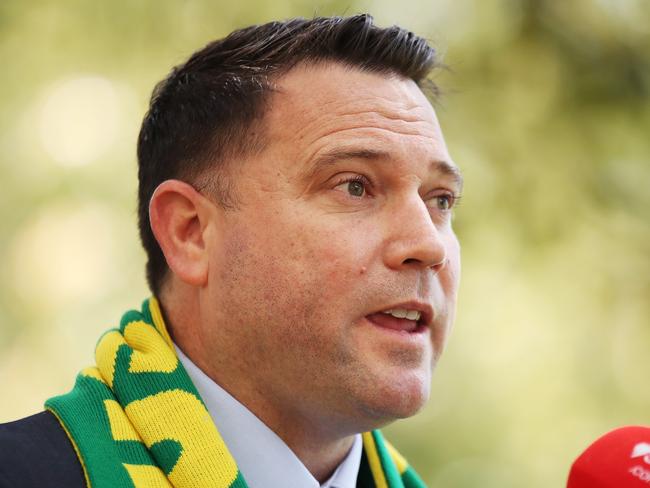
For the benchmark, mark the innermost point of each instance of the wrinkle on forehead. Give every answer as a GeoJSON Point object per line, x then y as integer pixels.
{"type": "Point", "coordinates": [373, 138]}
{"type": "Point", "coordinates": [349, 122]}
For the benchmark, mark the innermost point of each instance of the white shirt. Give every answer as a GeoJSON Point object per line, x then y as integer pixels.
{"type": "Point", "coordinates": [262, 457]}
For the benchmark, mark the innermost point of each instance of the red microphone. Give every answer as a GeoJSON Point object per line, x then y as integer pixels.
{"type": "Point", "coordinates": [619, 459]}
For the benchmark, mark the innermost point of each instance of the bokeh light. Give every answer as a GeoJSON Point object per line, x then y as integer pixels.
{"type": "Point", "coordinates": [66, 254]}
{"type": "Point", "coordinates": [79, 120]}
{"type": "Point", "coordinates": [545, 107]}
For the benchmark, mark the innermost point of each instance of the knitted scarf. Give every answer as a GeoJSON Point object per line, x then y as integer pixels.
{"type": "Point", "coordinates": [136, 420]}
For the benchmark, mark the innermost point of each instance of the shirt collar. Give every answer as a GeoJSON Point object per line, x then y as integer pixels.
{"type": "Point", "coordinates": [262, 457]}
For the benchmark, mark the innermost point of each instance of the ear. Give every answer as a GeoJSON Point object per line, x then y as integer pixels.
{"type": "Point", "coordinates": [179, 216]}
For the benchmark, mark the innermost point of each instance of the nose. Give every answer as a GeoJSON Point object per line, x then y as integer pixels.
{"type": "Point", "coordinates": [414, 240]}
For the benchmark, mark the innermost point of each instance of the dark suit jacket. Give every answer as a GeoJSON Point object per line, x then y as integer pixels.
{"type": "Point", "coordinates": [35, 452]}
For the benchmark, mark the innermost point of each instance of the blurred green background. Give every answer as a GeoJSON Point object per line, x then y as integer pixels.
{"type": "Point", "coordinates": [546, 109]}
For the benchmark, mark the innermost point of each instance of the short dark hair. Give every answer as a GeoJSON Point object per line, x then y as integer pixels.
{"type": "Point", "coordinates": [210, 108]}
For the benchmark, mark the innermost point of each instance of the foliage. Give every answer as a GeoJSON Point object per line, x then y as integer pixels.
{"type": "Point", "coordinates": [546, 109]}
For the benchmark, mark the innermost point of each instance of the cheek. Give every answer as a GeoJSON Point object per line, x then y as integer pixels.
{"type": "Point", "coordinates": [283, 298]}
{"type": "Point", "coordinates": [272, 271]}
{"type": "Point", "coordinates": [294, 261]}
{"type": "Point", "coordinates": [329, 245]}
{"type": "Point", "coordinates": [347, 247]}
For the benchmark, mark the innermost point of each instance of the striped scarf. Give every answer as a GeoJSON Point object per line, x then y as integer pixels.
{"type": "Point", "coordinates": [136, 420]}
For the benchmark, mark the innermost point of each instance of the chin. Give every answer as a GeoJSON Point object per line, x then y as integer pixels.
{"type": "Point", "coordinates": [398, 399]}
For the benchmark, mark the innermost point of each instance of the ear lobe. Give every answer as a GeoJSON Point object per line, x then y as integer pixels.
{"type": "Point", "coordinates": [178, 221]}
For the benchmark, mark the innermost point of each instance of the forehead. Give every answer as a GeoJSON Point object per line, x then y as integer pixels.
{"type": "Point", "coordinates": [317, 106]}
{"type": "Point", "coordinates": [332, 82]}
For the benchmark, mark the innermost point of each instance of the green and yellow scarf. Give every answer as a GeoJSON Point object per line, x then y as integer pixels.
{"type": "Point", "coordinates": [136, 420]}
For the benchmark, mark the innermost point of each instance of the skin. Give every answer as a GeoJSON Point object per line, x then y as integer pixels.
{"type": "Point", "coordinates": [272, 299]}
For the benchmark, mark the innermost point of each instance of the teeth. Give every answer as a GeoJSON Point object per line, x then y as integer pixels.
{"type": "Point", "coordinates": [413, 315]}
{"type": "Point", "coordinates": [402, 313]}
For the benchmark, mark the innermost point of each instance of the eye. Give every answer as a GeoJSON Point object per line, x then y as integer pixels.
{"type": "Point", "coordinates": [445, 202]}
{"type": "Point", "coordinates": [355, 187]}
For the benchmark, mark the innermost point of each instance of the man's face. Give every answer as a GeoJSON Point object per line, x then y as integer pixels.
{"type": "Point", "coordinates": [343, 217]}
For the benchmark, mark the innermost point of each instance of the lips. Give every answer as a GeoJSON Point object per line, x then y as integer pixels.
{"type": "Point", "coordinates": [409, 318]}
{"type": "Point", "coordinates": [389, 322]}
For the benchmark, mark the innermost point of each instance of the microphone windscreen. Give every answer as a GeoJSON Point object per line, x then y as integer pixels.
{"type": "Point", "coordinates": [619, 459]}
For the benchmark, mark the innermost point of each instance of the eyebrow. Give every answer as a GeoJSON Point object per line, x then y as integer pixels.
{"type": "Point", "coordinates": [331, 157]}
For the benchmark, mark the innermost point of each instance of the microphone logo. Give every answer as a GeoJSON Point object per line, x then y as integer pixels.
{"type": "Point", "coordinates": [642, 449]}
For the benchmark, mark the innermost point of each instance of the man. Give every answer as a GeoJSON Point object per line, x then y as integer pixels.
{"type": "Point", "coordinates": [295, 205]}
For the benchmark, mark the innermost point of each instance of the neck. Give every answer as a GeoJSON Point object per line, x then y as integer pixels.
{"type": "Point", "coordinates": [322, 461]}
{"type": "Point", "coordinates": [320, 449]}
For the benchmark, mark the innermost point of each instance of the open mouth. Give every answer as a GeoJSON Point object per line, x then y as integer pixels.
{"type": "Point", "coordinates": [400, 319]}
